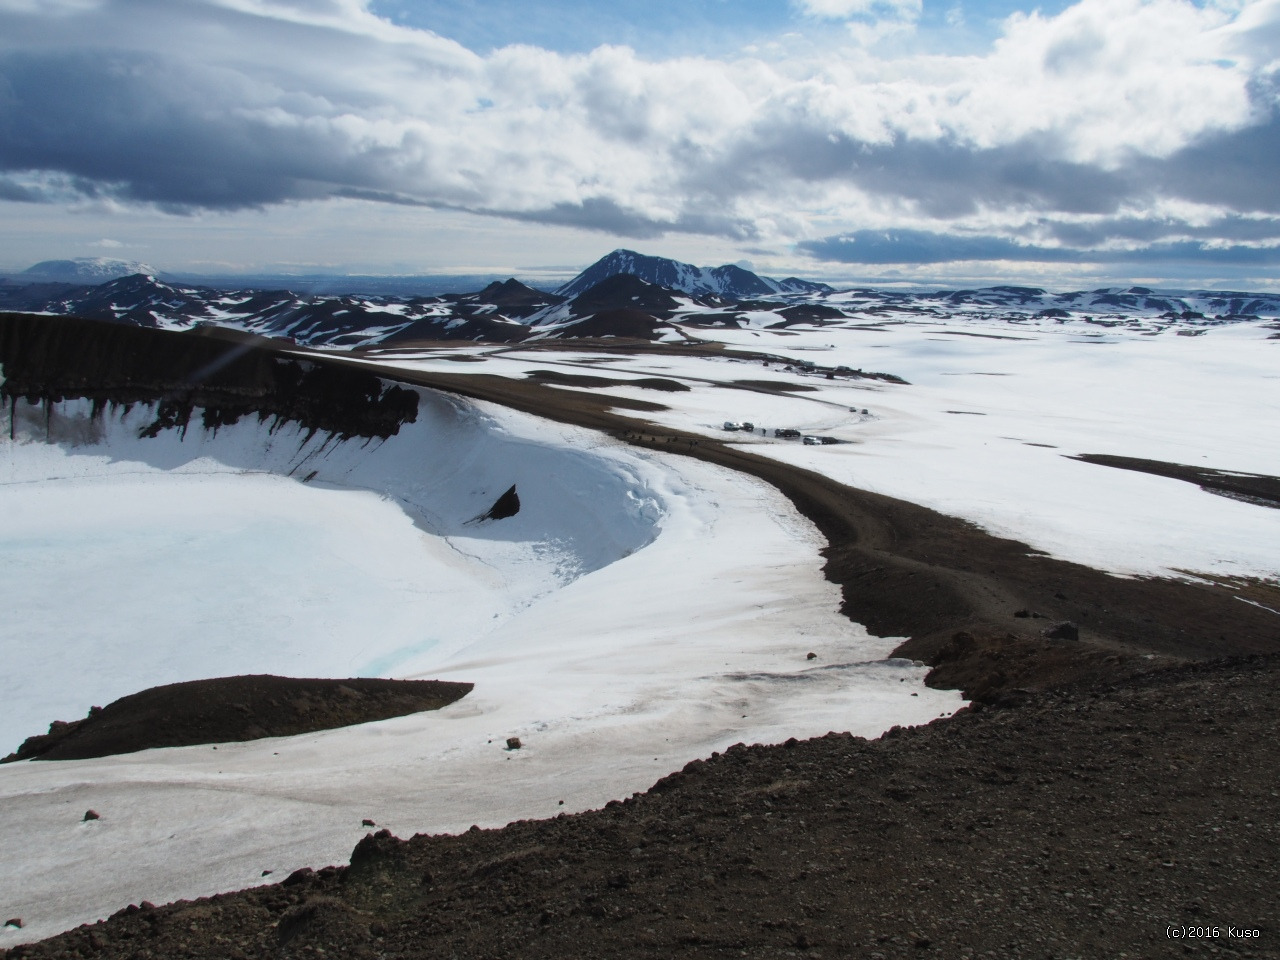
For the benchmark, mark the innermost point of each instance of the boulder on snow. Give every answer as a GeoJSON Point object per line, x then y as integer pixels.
{"type": "Point", "coordinates": [507, 505]}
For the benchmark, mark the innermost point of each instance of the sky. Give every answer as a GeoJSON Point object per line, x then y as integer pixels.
{"type": "Point", "coordinates": [874, 140]}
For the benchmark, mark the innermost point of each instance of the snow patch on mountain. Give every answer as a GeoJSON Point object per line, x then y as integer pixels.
{"type": "Point", "coordinates": [86, 270]}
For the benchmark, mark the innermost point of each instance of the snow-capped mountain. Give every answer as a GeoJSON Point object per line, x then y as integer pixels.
{"type": "Point", "coordinates": [310, 319]}
{"type": "Point", "coordinates": [620, 304]}
{"type": "Point", "coordinates": [86, 270]}
{"type": "Point", "coordinates": [729, 281]}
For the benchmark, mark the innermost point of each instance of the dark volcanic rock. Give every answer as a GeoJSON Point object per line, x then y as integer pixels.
{"type": "Point", "coordinates": [1250, 487]}
{"type": "Point", "coordinates": [1063, 631]}
{"type": "Point", "coordinates": [507, 505]}
{"type": "Point", "coordinates": [625, 292]}
{"type": "Point", "coordinates": [212, 379]}
{"type": "Point", "coordinates": [233, 709]}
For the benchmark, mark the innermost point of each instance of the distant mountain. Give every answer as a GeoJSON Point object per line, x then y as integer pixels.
{"type": "Point", "coordinates": [624, 291]}
{"type": "Point", "coordinates": [309, 319]}
{"type": "Point", "coordinates": [729, 281]}
{"type": "Point", "coordinates": [361, 285]}
{"type": "Point", "coordinates": [511, 297]}
{"type": "Point", "coordinates": [85, 270]}
{"type": "Point", "coordinates": [619, 305]}
{"type": "Point", "coordinates": [1116, 303]}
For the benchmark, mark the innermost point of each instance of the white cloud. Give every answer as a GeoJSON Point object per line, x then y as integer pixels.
{"type": "Point", "coordinates": [277, 101]}
{"type": "Point", "coordinates": [849, 9]}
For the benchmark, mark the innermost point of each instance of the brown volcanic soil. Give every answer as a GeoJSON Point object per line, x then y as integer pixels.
{"type": "Point", "coordinates": [234, 708]}
{"type": "Point", "coordinates": [1087, 823]}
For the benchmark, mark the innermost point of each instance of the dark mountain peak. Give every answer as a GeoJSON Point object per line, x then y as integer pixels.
{"type": "Point", "coordinates": [624, 291]}
{"type": "Point", "coordinates": [514, 297]}
{"type": "Point", "coordinates": [505, 287]}
{"type": "Point", "coordinates": [729, 280]}
{"type": "Point", "coordinates": [738, 282]}
{"type": "Point", "coordinates": [1020, 291]}
{"type": "Point", "coordinates": [796, 285]}
{"type": "Point", "coordinates": [657, 270]}
{"type": "Point", "coordinates": [135, 283]}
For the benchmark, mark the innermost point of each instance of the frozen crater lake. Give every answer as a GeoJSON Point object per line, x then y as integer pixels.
{"type": "Point", "coordinates": [638, 611]}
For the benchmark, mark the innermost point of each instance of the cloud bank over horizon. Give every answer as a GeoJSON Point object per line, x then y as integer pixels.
{"type": "Point", "coordinates": [1112, 131]}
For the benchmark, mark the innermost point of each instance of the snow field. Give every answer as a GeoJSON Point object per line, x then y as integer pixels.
{"type": "Point", "coordinates": [640, 610]}
{"type": "Point", "coordinates": [989, 419]}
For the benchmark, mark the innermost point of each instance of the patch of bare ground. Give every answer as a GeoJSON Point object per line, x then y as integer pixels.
{"type": "Point", "coordinates": [228, 709]}
{"type": "Point", "coordinates": [1254, 488]}
{"type": "Point", "coordinates": [1138, 818]}
{"type": "Point", "coordinates": [561, 379]}
{"type": "Point", "coordinates": [772, 386]}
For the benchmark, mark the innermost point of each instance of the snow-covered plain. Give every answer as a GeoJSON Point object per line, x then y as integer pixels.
{"type": "Point", "coordinates": [992, 414]}
{"type": "Point", "coordinates": [639, 611]}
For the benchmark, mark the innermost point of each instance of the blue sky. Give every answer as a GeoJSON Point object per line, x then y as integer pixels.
{"type": "Point", "coordinates": [876, 140]}
{"type": "Point", "coordinates": [666, 28]}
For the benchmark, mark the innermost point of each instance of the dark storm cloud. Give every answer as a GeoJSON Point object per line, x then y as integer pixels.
{"type": "Point", "coordinates": [946, 179]}
{"type": "Point", "coordinates": [1231, 230]}
{"type": "Point", "coordinates": [17, 192]}
{"type": "Point", "coordinates": [921, 246]}
{"type": "Point", "coordinates": [147, 129]}
{"type": "Point", "coordinates": [1239, 170]}
{"type": "Point", "coordinates": [608, 216]}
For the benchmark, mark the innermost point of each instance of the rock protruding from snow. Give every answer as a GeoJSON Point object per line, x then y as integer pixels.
{"type": "Point", "coordinates": [507, 505]}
